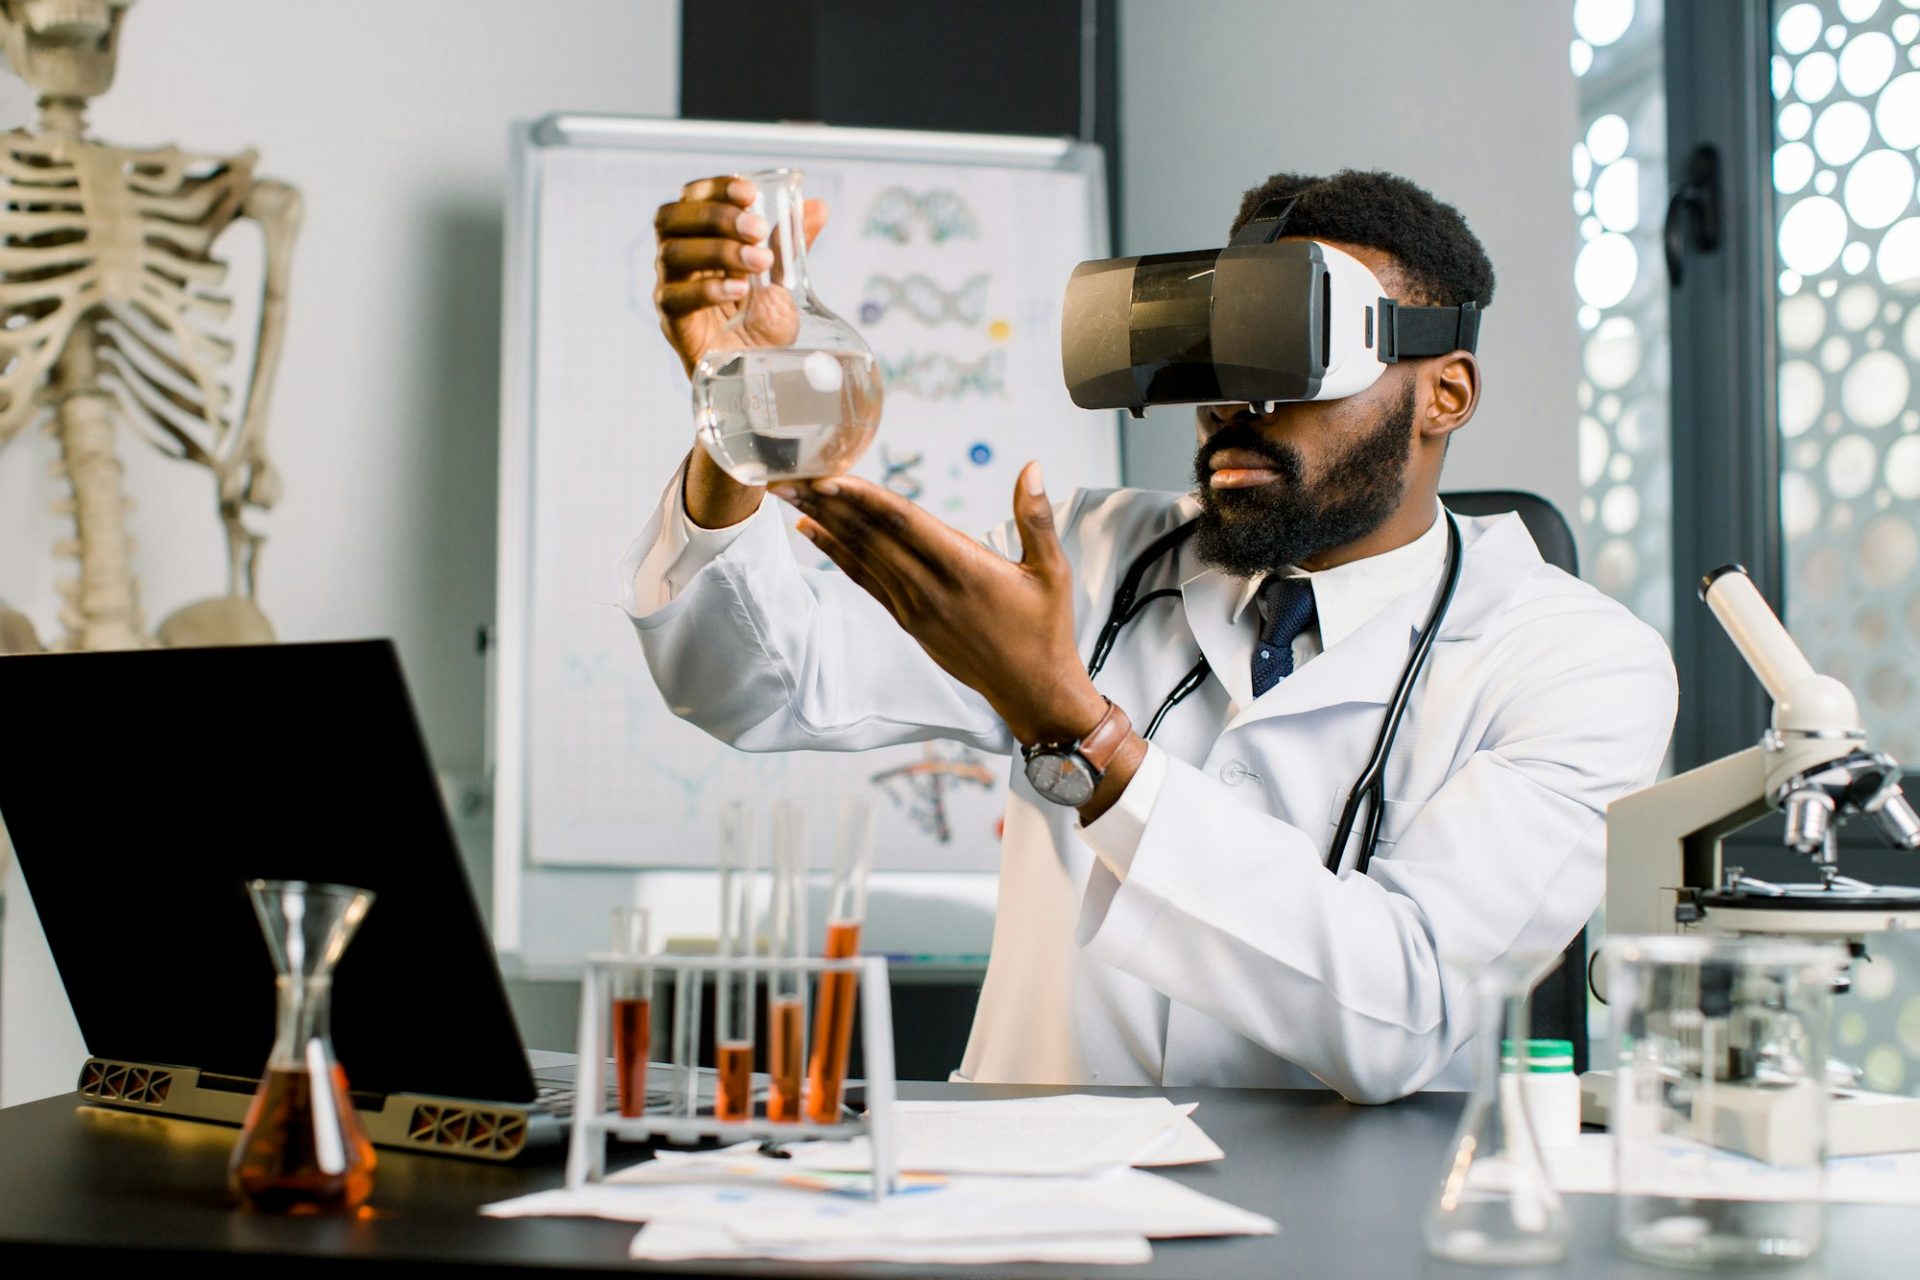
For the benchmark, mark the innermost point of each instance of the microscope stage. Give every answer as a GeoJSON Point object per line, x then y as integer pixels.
{"type": "Point", "coordinates": [1811, 910]}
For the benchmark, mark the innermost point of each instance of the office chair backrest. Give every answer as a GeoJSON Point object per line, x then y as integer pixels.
{"type": "Point", "coordinates": [1560, 1001]}
{"type": "Point", "coordinates": [1544, 522]}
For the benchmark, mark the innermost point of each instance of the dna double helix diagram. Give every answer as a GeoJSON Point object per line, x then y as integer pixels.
{"type": "Point", "coordinates": [897, 469]}
{"type": "Point", "coordinates": [935, 375]}
{"type": "Point", "coordinates": [919, 296]}
{"type": "Point", "coordinates": [941, 214]}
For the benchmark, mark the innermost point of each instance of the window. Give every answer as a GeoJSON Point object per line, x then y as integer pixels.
{"type": "Point", "coordinates": [1619, 195]}
{"type": "Point", "coordinates": [1846, 86]}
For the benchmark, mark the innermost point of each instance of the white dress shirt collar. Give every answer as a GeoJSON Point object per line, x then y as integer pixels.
{"type": "Point", "coordinates": [1347, 596]}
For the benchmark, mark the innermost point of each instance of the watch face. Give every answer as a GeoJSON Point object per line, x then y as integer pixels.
{"type": "Point", "coordinates": [1061, 776]}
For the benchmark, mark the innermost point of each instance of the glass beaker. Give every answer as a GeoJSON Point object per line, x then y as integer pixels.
{"type": "Point", "coordinates": [1719, 1112]}
{"type": "Point", "coordinates": [787, 987]}
{"type": "Point", "coordinates": [805, 409]}
{"type": "Point", "coordinates": [734, 989]}
{"type": "Point", "coordinates": [1495, 1205]}
{"type": "Point", "coordinates": [302, 1149]}
{"type": "Point", "coordinates": [632, 1012]}
{"type": "Point", "coordinates": [839, 992]}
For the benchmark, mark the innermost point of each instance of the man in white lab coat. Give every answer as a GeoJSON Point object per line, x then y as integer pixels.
{"type": "Point", "coordinates": [1180, 923]}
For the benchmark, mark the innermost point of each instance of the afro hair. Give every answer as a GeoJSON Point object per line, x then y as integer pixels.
{"type": "Point", "coordinates": [1442, 262]}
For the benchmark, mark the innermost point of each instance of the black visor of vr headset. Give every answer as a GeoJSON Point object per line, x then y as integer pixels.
{"type": "Point", "coordinates": [1258, 321]}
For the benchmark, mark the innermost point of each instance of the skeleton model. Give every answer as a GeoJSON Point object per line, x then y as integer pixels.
{"type": "Point", "coordinates": [109, 314]}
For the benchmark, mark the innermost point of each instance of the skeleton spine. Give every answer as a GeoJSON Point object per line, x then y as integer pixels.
{"type": "Point", "coordinates": [105, 611]}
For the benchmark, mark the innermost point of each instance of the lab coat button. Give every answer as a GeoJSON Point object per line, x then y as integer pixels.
{"type": "Point", "coordinates": [1233, 773]}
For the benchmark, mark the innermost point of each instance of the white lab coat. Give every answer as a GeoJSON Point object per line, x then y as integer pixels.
{"type": "Point", "coordinates": [1225, 953]}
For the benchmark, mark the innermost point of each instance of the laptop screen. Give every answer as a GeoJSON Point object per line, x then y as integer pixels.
{"type": "Point", "coordinates": [143, 790]}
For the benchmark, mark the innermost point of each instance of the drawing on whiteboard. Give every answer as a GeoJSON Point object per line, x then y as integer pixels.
{"type": "Point", "coordinates": [731, 769]}
{"type": "Point", "coordinates": [920, 297]}
{"type": "Point", "coordinates": [943, 214]}
{"type": "Point", "coordinates": [922, 788]}
{"type": "Point", "coordinates": [935, 375]}
{"type": "Point", "coordinates": [896, 471]}
{"type": "Point", "coordinates": [981, 454]}
{"type": "Point", "coordinates": [999, 331]}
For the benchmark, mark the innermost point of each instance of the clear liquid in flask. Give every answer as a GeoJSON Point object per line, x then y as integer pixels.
{"type": "Point", "coordinates": [786, 413]}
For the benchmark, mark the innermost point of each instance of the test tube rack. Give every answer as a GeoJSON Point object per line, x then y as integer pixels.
{"type": "Point", "coordinates": [592, 1125]}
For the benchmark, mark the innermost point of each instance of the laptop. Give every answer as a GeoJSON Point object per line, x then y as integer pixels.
{"type": "Point", "coordinates": [144, 789]}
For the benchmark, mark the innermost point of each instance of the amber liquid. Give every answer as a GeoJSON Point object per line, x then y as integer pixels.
{"type": "Point", "coordinates": [786, 1025]}
{"type": "Point", "coordinates": [632, 1042]}
{"type": "Point", "coordinates": [833, 1026]}
{"type": "Point", "coordinates": [733, 1090]}
{"type": "Point", "coordinates": [277, 1165]}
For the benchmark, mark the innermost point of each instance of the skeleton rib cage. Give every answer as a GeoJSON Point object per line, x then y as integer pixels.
{"type": "Point", "coordinates": [119, 241]}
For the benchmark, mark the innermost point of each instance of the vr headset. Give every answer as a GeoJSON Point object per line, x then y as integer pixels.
{"type": "Point", "coordinates": [1257, 321]}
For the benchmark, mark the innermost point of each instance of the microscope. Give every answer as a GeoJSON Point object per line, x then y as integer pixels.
{"type": "Point", "coordinates": [1666, 872]}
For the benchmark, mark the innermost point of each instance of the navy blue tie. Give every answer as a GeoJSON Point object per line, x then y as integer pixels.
{"type": "Point", "coordinates": [1289, 609]}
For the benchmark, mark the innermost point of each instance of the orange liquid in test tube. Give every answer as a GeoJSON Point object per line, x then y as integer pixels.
{"type": "Point", "coordinates": [733, 1086]}
{"type": "Point", "coordinates": [786, 1027]}
{"type": "Point", "coordinates": [833, 1026]}
{"type": "Point", "coordinates": [632, 1038]}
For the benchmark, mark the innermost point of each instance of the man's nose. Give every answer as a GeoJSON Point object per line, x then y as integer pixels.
{"type": "Point", "coordinates": [1215, 416]}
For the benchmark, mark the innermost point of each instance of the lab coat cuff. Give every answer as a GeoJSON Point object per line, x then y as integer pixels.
{"type": "Point", "coordinates": [670, 552]}
{"type": "Point", "coordinates": [1181, 865]}
{"type": "Point", "coordinates": [1115, 835]}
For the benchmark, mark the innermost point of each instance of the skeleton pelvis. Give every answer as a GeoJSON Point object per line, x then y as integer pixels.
{"type": "Point", "coordinates": [223, 620]}
{"type": "Point", "coordinates": [16, 632]}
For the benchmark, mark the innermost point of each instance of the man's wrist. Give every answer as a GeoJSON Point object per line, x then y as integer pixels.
{"type": "Point", "coordinates": [1069, 722]}
{"type": "Point", "coordinates": [711, 498]}
{"type": "Point", "coordinates": [1114, 781]}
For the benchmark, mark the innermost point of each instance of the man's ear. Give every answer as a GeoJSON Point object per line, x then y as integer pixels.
{"type": "Point", "coordinates": [1452, 394]}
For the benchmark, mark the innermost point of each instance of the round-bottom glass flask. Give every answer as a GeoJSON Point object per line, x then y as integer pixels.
{"type": "Point", "coordinates": [805, 409]}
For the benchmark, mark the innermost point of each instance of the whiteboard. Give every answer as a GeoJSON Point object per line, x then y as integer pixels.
{"type": "Point", "coordinates": [950, 253]}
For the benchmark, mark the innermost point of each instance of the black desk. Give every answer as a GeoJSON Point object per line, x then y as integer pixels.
{"type": "Point", "coordinates": [1347, 1184]}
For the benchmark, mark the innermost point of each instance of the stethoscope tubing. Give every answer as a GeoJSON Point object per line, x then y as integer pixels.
{"type": "Point", "coordinates": [1371, 782]}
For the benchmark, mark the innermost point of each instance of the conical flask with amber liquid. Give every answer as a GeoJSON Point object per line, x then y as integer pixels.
{"type": "Point", "coordinates": [303, 1149]}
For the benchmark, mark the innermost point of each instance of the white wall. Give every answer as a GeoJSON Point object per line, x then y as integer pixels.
{"type": "Point", "coordinates": [392, 119]}
{"type": "Point", "coordinates": [1473, 101]}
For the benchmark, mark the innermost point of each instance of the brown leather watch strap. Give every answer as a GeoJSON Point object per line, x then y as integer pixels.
{"type": "Point", "coordinates": [1103, 742]}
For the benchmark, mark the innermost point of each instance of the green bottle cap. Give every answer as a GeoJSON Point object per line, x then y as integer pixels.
{"type": "Point", "coordinates": [1542, 1055]}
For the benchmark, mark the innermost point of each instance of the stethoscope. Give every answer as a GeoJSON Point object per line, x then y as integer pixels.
{"type": "Point", "coordinates": [1371, 784]}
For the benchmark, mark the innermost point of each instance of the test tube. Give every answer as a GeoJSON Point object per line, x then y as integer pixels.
{"type": "Point", "coordinates": [787, 987]}
{"type": "Point", "coordinates": [632, 1012]}
{"type": "Point", "coordinates": [687, 985]}
{"type": "Point", "coordinates": [846, 910]}
{"type": "Point", "coordinates": [733, 1002]}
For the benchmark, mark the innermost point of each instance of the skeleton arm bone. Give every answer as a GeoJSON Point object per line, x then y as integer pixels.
{"type": "Point", "coordinates": [252, 479]}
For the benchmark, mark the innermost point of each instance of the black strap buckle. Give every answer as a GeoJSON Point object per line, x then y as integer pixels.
{"type": "Point", "coordinates": [1411, 332]}
{"type": "Point", "coordinates": [1267, 222]}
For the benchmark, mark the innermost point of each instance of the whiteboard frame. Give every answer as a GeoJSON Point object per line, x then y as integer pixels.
{"type": "Point", "coordinates": [507, 757]}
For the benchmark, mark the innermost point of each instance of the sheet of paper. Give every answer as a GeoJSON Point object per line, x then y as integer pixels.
{"type": "Point", "coordinates": [1588, 1167]}
{"type": "Point", "coordinates": [1031, 1137]}
{"type": "Point", "coordinates": [767, 1203]}
{"type": "Point", "coordinates": [1185, 1143]}
{"type": "Point", "coordinates": [682, 1242]}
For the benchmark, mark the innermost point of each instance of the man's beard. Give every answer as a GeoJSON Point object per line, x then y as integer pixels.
{"type": "Point", "coordinates": [1251, 531]}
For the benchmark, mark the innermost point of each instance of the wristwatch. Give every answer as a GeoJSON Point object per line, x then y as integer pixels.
{"type": "Point", "coordinates": [1068, 772]}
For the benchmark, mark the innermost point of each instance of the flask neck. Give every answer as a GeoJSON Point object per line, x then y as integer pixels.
{"type": "Point", "coordinates": [785, 212]}
{"type": "Point", "coordinates": [304, 1022]}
